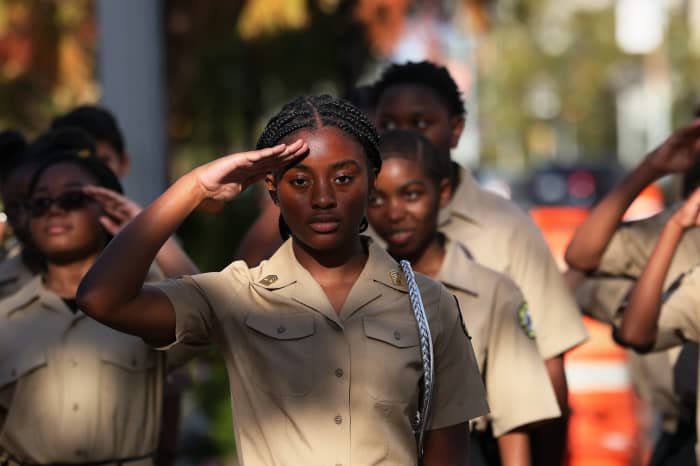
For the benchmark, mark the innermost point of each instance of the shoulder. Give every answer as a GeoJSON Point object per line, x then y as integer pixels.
{"type": "Point", "coordinates": [24, 298]}
{"type": "Point", "coordinates": [647, 228]}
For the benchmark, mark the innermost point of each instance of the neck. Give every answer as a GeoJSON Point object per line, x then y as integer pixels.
{"type": "Point", "coordinates": [331, 265]}
{"type": "Point", "coordinates": [428, 259]}
{"type": "Point", "coordinates": [64, 278]}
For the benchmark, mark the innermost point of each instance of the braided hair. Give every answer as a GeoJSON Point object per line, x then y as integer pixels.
{"type": "Point", "coordinates": [427, 74]}
{"type": "Point", "coordinates": [413, 146]}
{"type": "Point", "coordinates": [315, 112]}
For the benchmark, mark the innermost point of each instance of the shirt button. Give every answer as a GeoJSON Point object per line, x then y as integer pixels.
{"type": "Point", "coordinates": [13, 372]}
{"type": "Point", "coordinates": [79, 452]}
{"type": "Point", "coordinates": [339, 372]}
{"type": "Point", "coordinates": [75, 406]}
{"type": "Point", "coordinates": [281, 329]}
{"type": "Point", "coordinates": [72, 362]}
{"type": "Point", "coordinates": [338, 419]}
{"type": "Point", "coordinates": [397, 335]}
{"type": "Point", "coordinates": [133, 363]}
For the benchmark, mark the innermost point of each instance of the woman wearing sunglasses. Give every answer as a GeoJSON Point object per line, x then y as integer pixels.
{"type": "Point", "coordinates": [71, 389]}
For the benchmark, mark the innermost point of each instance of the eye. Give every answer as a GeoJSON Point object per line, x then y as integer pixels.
{"type": "Point", "coordinates": [299, 182]}
{"type": "Point", "coordinates": [387, 125]}
{"type": "Point", "coordinates": [375, 200]}
{"type": "Point", "coordinates": [421, 123]}
{"type": "Point", "coordinates": [412, 195]}
{"type": "Point", "coordinates": [343, 179]}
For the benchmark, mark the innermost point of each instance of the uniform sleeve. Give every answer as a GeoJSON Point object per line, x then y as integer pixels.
{"type": "Point", "coordinates": [557, 321]}
{"type": "Point", "coordinates": [194, 316]}
{"type": "Point", "coordinates": [678, 321]}
{"type": "Point", "coordinates": [602, 297]}
{"type": "Point", "coordinates": [517, 383]}
{"type": "Point", "coordinates": [458, 393]}
{"type": "Point", "coordinates": [618, 258]}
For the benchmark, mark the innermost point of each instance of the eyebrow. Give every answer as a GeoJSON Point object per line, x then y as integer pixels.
{"type": "Point", "coordinates": [412, 182]}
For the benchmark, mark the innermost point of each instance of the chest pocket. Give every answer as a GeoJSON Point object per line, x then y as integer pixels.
{"type": "Point", "coordinates": [128, 353]}
{"type": "Point", "coordinates": [281, 352]}
{"type": "Point", "coordinates": [392, 359]}
{"type": "Point", "coordinates": [20, 364]}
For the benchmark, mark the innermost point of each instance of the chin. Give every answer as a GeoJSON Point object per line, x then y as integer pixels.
{"type": "Point", "coordinates": [328, 241]}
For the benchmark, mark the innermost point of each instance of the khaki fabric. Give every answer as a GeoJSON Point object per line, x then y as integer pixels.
{"type": "Point", "coordinates": [312, 387]}
{"type": "Point", "coordinates": [78, 390]}
{"type": "Point", "coordinates": [518, 388]}
{"type": "Point", "coordinates": [602, 296]}
{"type": "Point", "coordinates": [13, 275]}
{"type": "Point", "coordinates": [679, 321]}
{"type": "Point", "coordinates": [502, 237]}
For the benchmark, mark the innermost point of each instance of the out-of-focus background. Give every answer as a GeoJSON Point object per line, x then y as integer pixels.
{"type": "Point", "coordinates": [563, 96]}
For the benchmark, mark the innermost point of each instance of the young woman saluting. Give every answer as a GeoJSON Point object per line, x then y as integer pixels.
{"type": "Point", "coordinates": [320, 342]}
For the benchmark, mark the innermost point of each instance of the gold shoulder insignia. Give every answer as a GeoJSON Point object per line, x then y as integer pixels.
{"type": "Point", "coordinates": [268, 280]}
{"type": "Point", "coordinates": [396, 278]}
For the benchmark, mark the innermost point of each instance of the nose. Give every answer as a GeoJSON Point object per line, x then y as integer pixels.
{"type": "Point", "coordinates": [396, 212]}
{"type": "Point", "coordinates": [322, 195]}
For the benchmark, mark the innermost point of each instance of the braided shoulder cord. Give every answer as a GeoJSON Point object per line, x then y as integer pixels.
{"type": "Point", "coordinates": [426, 351]}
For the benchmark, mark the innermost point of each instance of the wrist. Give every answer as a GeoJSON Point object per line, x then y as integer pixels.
{"type": "Point", "coordinates": [649, 170]}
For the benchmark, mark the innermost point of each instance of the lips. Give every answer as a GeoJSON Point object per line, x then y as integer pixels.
{"type": "Point", "coordinates": [400, 237]}
{"type": "Point", "coordinates": [56, 229]}
{"type": "Point", "coordinates": [324, 224]}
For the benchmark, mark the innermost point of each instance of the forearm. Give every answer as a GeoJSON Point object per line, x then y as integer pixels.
{"type": "Point", "coordinates": [130, 254]}
{"type": "Point", "coordinates": [593, 236]}
{"type": "Point", "coordinates": [448, 446]}
{"type": "Point", "coordinates": [514, 448]}
{"type": "Point", "coordinates": [174, 261]}
{"type": "Point", "coordinates": [640, 316]}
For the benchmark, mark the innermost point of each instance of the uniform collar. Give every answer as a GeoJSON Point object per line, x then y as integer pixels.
{"type": "Point", "coordinates": [456, 269]}
{"type": "Point", "coordinates": [283, 273]}
{"type": "Point", "coordinates": [35, 291]}
{"type": "Point", "coordinates": [465, 200]}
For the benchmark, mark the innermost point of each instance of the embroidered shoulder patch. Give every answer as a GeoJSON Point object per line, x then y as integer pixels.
{"type": "Point", "coordinates": [525, 321]}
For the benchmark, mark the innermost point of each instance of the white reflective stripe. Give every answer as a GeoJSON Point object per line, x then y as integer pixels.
{"type": "Point", "coordinates": [597, 376]}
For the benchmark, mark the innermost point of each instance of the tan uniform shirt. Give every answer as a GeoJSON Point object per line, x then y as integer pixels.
{"type": "Point", "coordinates": [78, 391]}
{"type": "Point", "coordinates": [502, 237]}
{"type": "Point", "coordinates": [603, 294]}
{"type": "Point", "coordinates": [13, 275]}
{"type": "Point", "coordinates": [679, 321]}
{"type": "Point", "coordinates": [313, 387]}
{"type": "Point", "coordinates": [518, 388]}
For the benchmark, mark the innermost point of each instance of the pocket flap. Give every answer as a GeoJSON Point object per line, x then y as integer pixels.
{"type": "Point", "coordinates": [129, 357]}
{"type": "Point", "coordinates": [282, 326]}
{"type": "Point", "coordinates": [19, 364]}
{"type": "Point", "coordinates": [396, 333]}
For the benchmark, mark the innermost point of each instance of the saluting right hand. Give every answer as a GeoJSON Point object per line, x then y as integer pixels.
{"type": "Point", "coordinates": [689, 214]}
{"type": "Point", "coordinates": [224, 178]}
{"type": "Point", "coordinates": [679, 152]}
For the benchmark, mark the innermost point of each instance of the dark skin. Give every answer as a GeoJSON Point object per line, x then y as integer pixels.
{"type": "Point", "coordinates": [319, 200]}
{"type": "Point", "coordinates": [640, 317]}
{"type": "Point", "coordinates": [71, 240]}
{"type": "Point", "coordinates": [417, 107]}
{"type": "Point", "coordinates": [403, 211]}
{"type": "Point", "coordinates": [675, 155]}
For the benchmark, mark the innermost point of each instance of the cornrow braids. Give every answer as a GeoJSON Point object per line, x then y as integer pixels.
{"type": "Point", "coordinates": [427, 74]}
{"type": "Point", "coordinates": [314, 112]}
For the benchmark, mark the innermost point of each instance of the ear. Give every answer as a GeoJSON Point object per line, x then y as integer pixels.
{"type": "Point", "coordinates": [271, 187]}
{"type": "Point", "coordinates": [445, 192]}
{"type": "Point", "coordinates": [456, 129]}
{"type": "Point", "coordinates": [124, 164]}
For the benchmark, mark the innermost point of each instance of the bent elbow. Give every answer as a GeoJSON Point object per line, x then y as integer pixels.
{"type": "Point", "coordinates": [640, 342]}
{"type": "Point", "coordinates": [581, 262]}
{"type": "Point", "coordinates": [89, 301]}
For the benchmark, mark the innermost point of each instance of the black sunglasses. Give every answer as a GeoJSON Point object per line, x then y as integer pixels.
{"type": "Point", "coordinates": [71, 200]}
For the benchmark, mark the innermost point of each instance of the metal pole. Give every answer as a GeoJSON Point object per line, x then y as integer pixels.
{"type": "Point", "coordinates": [130, 58]}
